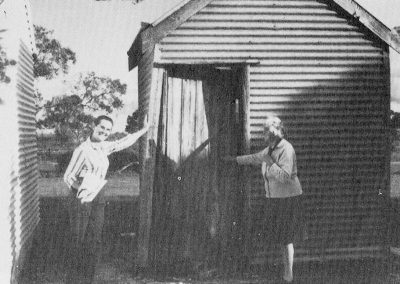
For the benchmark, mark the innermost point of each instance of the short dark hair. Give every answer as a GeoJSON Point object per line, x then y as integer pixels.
{"type": "Point", "coordinates": [103, 117]}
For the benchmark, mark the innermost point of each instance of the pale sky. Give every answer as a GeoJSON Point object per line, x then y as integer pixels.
{"type": "Point", "coordinates": [101, 32]}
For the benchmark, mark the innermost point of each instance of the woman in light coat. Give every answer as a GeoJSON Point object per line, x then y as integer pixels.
{"type": "Point", "coordinates": [282, 189]}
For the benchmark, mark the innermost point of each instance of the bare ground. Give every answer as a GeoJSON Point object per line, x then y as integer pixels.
{"type": "Point", "coordinates": [46, 260]}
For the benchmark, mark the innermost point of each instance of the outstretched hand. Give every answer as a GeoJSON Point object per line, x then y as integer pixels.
{"type": "Point", "coordinates": [146, 123]}
{"type": "Point", "coordinates": [228, 159]}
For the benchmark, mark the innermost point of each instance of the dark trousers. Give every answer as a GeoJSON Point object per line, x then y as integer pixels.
{"type": "Point", "coordinates": [86, 225]}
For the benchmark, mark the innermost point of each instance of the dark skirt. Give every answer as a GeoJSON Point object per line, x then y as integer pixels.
{"type": "Point", "coordinates": [283, 220]}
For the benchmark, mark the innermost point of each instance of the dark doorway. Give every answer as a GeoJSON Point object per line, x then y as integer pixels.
{"type": "Point", "coordinates": [197, 198]}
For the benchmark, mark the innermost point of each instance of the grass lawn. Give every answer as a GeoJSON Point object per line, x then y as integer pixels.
{"type": "Point", "coordinates": [117, 186]}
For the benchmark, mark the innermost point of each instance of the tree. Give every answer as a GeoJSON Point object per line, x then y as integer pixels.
{"type": "Point", "coordinates": [71, 114]}
{"type": "Point", "coordinates": [51, 57]}
{"type": "Point", "coordinates": [38, 100]}
{"type": "Point", "coordinates": [394, 126]}
{"type": "Point", "coordinates": [132, 122]}
{"type": "Point", "coordinates": [99, 93]}
{"type": "Point", "coordinates": [66, 114]}
{"type": "Point", "coordinates": [4, 62]}
{"type": "Point", "coordinates": [394, 119]}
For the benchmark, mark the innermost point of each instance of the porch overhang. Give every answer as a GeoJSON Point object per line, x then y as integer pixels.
{"type": "Point", "coordinates": [138, 48]}
{"type": "Point", "coordinates": [216, 63]}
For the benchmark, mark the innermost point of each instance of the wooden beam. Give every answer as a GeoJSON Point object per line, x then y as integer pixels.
{"type": "Point", "coordinates": [147, 176]}
{"type": "Point", "coordinates": [384, 186]}
{"type": "Point", "coordinates": [172, 21]}
{"type": "Point", "coordinates": [246, 106]}
{"type": "Point", "coordinates": [370, 22]}
{"type": "Point", "coordinates": [245, 81]}
{"type": "Point", "coordinates": [147, 43]}
{"type": "Point", "coordinates": [136, 52]}
{"type": "Point", "coordinates": [217, 62]}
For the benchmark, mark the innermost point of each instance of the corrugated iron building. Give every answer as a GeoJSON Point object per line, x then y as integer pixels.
{"type": "Point", "coordinates": [209, 74]}
{"type": "Point", "coordinates": [19, 175]}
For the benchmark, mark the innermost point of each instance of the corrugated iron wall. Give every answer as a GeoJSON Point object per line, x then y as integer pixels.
{"type": "Point", "coordinates": [24, 203]}
{"type": "Point", "coordinates": [327, 78]}
{"type": "Point", "coordinates": [19, 173]}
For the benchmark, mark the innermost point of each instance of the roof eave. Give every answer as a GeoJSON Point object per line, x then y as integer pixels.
{"type": "Point", "coordinates": [370, 22]}
{"type": "Point", "coordinates": [138, 47]}
{"type": "Point", "coordinates": [153, 33]}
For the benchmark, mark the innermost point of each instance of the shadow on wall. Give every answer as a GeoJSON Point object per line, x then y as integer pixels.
{"type": "Point", "coordinates": [335, 126]}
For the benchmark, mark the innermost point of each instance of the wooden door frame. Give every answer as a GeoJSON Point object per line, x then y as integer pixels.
{"type": "Point", "coordinates": [147, 175]}
{"type": "Point", "coordinates": [246, 148]}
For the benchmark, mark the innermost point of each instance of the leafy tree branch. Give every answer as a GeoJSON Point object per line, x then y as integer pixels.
{"type": "Point", "coordinates": [51, 58]}
{"type": "Point", "coordinates": [4, 62]}
{"type": "Point", "coordinates": [71, 114]}
{"type": "Point", "coordinates": [99, 93]}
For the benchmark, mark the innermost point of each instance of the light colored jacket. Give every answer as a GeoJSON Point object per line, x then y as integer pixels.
{"type": "Point", "coordinates": [92, 158]}
{"type": "Point", "coordinates": [280, 179]}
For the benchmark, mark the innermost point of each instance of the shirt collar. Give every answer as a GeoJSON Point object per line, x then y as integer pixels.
{"type": "Point", "coordinates": [94, 145]}
{"type": "Point", "coordinates": [277, 146]}
{"type": "Point", "coordinates": [280, 144]}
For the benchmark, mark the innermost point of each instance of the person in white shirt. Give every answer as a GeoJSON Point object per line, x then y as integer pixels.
{"type": "Point", "coordinates": [87, 218]}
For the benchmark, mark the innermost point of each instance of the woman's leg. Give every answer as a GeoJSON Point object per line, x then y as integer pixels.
{"type": "Point", "coordinates": [288, 255]}
{"type": "Point", "coordinates": [92, 245]}
{"type": "Point", "coordinates": [79, 215]}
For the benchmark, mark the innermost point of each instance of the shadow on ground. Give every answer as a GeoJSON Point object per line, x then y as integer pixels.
{"type": "Point", "coordinates": [46, 262]}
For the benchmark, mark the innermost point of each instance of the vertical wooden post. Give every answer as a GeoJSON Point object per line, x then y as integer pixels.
{"type": "Point", "coordinates": [246, 106]}
{"type": "Point", "coordinates": [246, 143]}
{"type": "Point", "coordinates": [147, 176]}
{"type": "Point", "coordinates": [385, 184]}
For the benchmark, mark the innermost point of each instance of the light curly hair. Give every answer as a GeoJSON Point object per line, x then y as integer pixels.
{"type": "Point", "coordinates": [275, 126]}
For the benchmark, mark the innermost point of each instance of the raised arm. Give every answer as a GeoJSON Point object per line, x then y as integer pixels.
{"type": "Point", "coordinates": [126, 142]}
